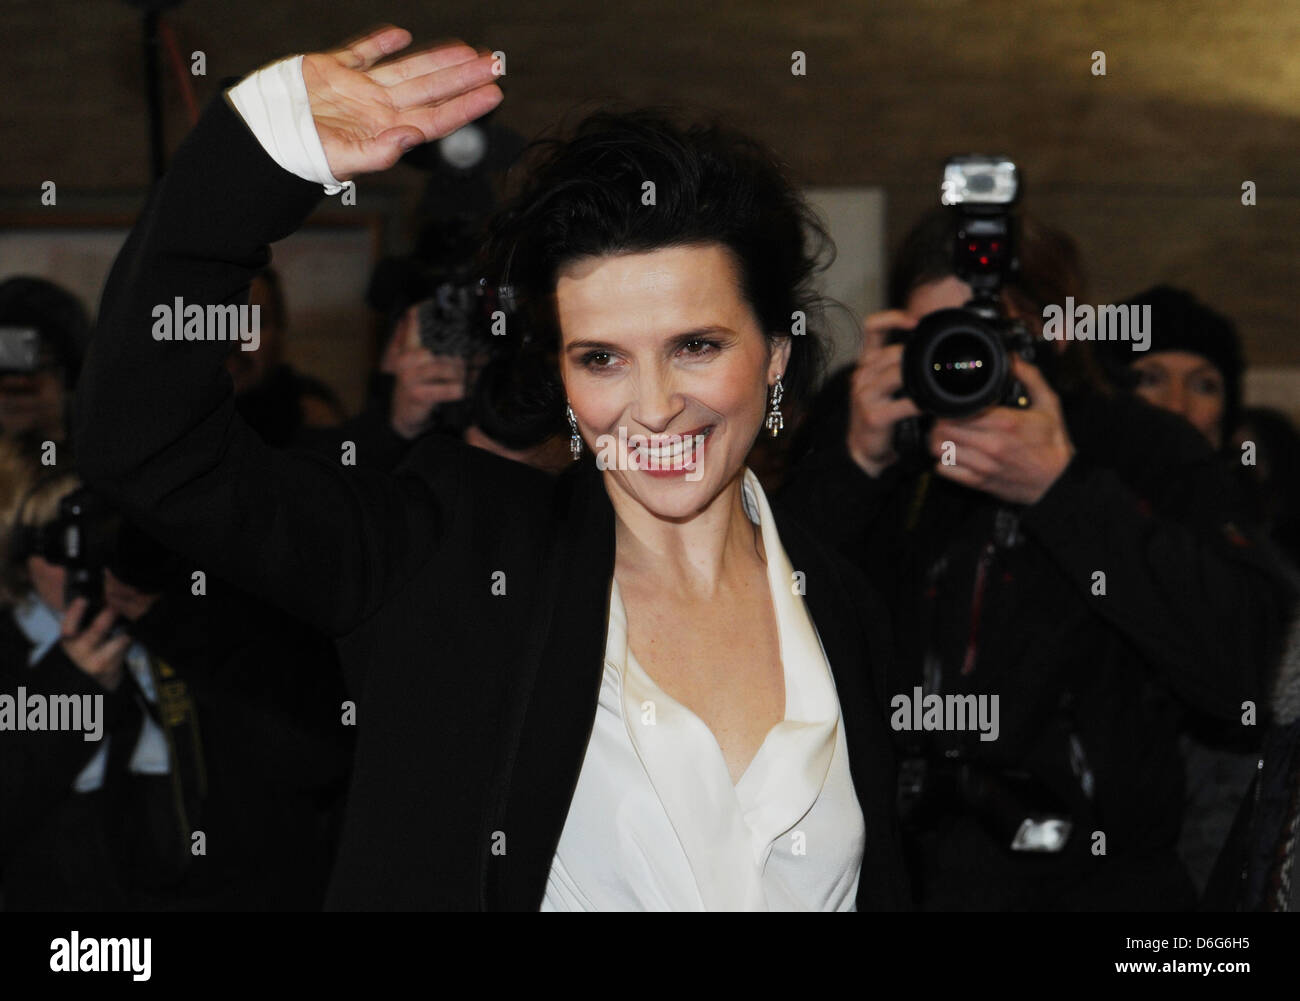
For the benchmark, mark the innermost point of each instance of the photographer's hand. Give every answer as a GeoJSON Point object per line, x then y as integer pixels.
{"type": "Point", "coordinates": [422, 379]}
{"type": "Point", "coordinates": [91, 649]}
{"type": "Point", "coordinates": [125, 600]}
{"type": "Point", "coordinates": [367, 116]}
{"type": "Point", "coordinates": [873, 409]}
{"type": "Point", "coordinates": [1015, 455]}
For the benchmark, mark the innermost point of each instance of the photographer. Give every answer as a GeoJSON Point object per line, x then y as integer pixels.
{"type": "Point", "coordinates": [43, 333]}
{"type": "Point", "coordinates": [1077, 556]}
{"type": "Point", "coordinates": [438, 377]}
{"type": "Point", "coordinates": [419, 388]}
{"type": "Point", "coordinates": [1193, 368]}
{"type": "Point", "coordinates": [202, 771]}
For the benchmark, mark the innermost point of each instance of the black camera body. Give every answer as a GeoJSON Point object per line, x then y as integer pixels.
{"type": "Point", "coordinates": [958, 362]}
{"type": "Point", "coordinates": [82, 539]}
{"type": "Point", "coordinates": [88, 535]}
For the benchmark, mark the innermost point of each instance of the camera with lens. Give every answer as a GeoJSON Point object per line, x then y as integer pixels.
{"type": "Point", "coordinates": [958, 362]}
{"type": "Point", "coordinates": [82, 539]}
{"type": "Point", "coordinates": [87, 536]}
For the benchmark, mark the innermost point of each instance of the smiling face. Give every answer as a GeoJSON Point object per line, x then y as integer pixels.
{"type": "Point", "coordinates": [664, 346]}
{"type": "Point", "coordinates": [1184, 383]}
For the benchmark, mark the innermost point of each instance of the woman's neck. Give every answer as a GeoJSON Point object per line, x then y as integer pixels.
{"type": "Point", "coordinates": [693, 554]}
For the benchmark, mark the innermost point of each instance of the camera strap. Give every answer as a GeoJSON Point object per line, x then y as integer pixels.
{"type": "Point", "coordinates": [1006, 535]}
{"type": "Point", "coordinates": [178, 719]}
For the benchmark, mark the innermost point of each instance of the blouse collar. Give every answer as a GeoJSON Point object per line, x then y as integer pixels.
{"type": "Point", "coordinates": [718, 822]}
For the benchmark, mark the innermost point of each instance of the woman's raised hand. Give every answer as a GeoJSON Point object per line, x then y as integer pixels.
{"type": "Point", "coordinates": [368, 115]}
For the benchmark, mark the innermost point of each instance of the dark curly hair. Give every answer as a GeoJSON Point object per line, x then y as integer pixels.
{"type": "Point", "coordinates": [582, 197]}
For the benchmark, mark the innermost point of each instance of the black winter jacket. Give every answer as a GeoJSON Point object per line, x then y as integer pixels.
{"type": "Point", "coordinates": [1092, 672]}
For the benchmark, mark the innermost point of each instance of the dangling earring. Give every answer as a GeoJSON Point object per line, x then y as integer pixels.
{"type": "Point", "coordinates": [775, 421]}
{"type": "Point", "coordinates": [575, 439]}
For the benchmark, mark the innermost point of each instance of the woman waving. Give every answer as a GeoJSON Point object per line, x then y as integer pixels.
{"type": "Point", "coordinates": [638, 686]}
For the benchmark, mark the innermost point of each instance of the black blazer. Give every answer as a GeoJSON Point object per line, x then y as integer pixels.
{"type": "Point", "coordinates": [474, 708]}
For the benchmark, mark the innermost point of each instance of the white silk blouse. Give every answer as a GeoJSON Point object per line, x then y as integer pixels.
{"type": "Point", "coordinates": [656, 823]}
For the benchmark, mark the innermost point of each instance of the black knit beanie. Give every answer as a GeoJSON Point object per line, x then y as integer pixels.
{"type": "Point", "coordinates": [1180, 323]}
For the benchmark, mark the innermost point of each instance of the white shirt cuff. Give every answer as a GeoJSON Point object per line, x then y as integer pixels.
{"type": "Point", "coordinates": [273, 103]}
